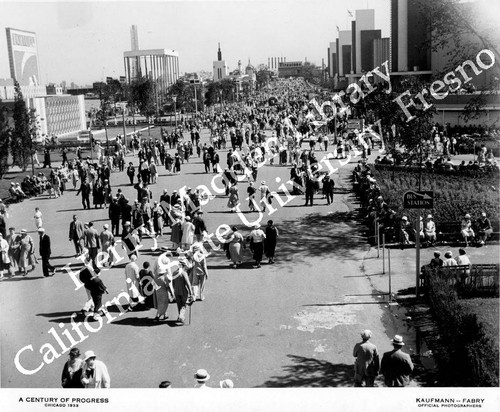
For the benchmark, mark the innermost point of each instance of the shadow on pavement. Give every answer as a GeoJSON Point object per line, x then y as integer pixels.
{"type": "Point", "coordinates": [18, 278]}
{"type": "Point", "coordinates": [308, 372]}
{"type": "Point", "coordinates": [335, 234]}
{"type": "Point", "coordinates": [134, 321]}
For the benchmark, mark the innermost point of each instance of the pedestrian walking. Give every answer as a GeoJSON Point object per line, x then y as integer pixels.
{"type": "Point", "coordinates": [107, 242]}
{"type": "Point", "coordinates": [367, 361]}
{"type": "Point", "coordinates": [256, 239]}
{"type": "Point", "coordinates": [24, 244]}
{"type": "Point", "coordinates": [92, 243]}
{"type": "Point", "coordinates": [95, 373]}
{"type": "Point", "coordinates": [201, 376]}
{"type": "Point", "coordinates": [234, 198]}
{"type": "Point", "coordinates": [182, 288]}
{"type": "Point", "coordinates": [328, 186]}
{"type": "Point", "coordinates": [272, 234]}
{"type": "Point", "coordinates": [396, 365]}
{"type": "Point", "coordinates": [45, 252]}
{"type": "Point", "coordinates": [200, 272]}
{"type": "Point", "coordinates": [71, 376]}
{"type": "Point", "coordinates": [5, 262]}
{"type": "Point", "coordinates": [162, 280]}
{"type": "Point", "coordinates": [132, 278]}
{"type": "Point", "coordinates": [76, 230]}
{"type": "Point", "coordinates": [38, 218]}
{"type": "Point", "coordinates": [187, 233]}
{"type": "Point", "coordinates": [235, 246]}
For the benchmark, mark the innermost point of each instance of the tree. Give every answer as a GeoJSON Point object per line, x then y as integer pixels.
{"type": "Point", "coordinates": [262, 76]}
{"type": "Point", "coordinates": [142, 93]}
{"type": "Point", "coordinates": [308, 72]}
{"type": "Point", "coordinates": [5, 132]}
{"type": "Point", "coordinates": [459, 30]}
{"type": "Point", "coordinates": [381, 109]}
{"type": "Point", "coordinates": [21, 137]}
{"type": "Point", "coordinates": [213, 92]}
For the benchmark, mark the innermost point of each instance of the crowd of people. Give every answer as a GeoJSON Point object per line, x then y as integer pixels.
{"type": "Point", "coordinates": [178, 271]}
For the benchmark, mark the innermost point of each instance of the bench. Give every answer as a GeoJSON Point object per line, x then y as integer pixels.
{"type": "Point", "coordinates": [451, 231]}
{"type": "Point", "coordinates": [466, 279]}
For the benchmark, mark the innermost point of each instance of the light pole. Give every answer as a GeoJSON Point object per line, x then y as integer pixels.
{"type": "Point", "coordinates": [220, 92]}
{"type": "Point", "coordinates": [174, 98]}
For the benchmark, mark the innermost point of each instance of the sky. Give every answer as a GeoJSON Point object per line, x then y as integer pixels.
{"type": "Point", "coordinates": [83, 42]}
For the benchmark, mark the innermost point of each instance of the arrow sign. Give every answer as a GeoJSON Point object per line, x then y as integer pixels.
{"type": "Point", "coordinates": [418, 199]}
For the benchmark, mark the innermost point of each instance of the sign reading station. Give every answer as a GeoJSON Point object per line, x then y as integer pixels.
{"type": "Point", "coordinates": [418, 199]}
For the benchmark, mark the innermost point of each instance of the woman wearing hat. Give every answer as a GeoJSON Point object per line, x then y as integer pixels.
{"type": "Point", "coordinates": [182, 287]}
{"type": "Point", "coordinates": [72, 371]}
{"type": "Point", "coordinates": [95, 373]}
{"type": "Point", "coordinates": [26, 252]}
{"type": "Point", "coordinates": [256, 238]}
{"type": "Point", "coordinates": [466, 229]}
{"type": "Point", "coordinates": [234, 197]}
{"type": "Point", "coordinates": [448, 259]}
{"type": "Point", "coordinates": [264, 195]}
{"type": "Point", "coordinates": [430, 230]}
{"type": "Point", "coordinates": [199, 272]}
{"type": "Point", "coordinates": [162, 278]}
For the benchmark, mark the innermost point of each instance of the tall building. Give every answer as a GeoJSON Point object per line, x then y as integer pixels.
{"type": "Point", "coordinates": [23, 56]}
{"type": "Point", "coordinates": [410, 30]}
{"type": "Point", "coordinates": [362, 34]}
{"type": "Point", "coordinates": [221, 70]}
{"type": "Point", "coordinates": [358, 50]}
{"type": "Point", "coordinates": [344, 50]}
{"type": "Point", "coordinates": [332, 60]}
{"type": "Point", "coordinates": [159, 65]}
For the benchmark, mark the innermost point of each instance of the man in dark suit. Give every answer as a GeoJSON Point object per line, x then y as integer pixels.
{"type": "Point", "coordinates": [45, 252]}
{"type": "Point", "coordinates": [396, 365]}
{"type": "Point", "coordinates": [76, 234]}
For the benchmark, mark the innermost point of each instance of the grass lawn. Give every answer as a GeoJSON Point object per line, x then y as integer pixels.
{"type": "Point", "coordinates": [487, 311]}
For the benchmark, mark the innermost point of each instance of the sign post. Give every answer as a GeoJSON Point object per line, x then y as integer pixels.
{"type": "Point", "coordinates": [423, 199]}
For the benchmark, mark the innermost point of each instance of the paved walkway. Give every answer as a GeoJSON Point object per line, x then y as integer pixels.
{"type": "Point", "coordinates": [285, 325]}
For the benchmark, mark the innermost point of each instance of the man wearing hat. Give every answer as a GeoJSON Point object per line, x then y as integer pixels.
{"type": "Point", "coordinates": [367, 362]}
{"type": "Point", "coordinates": [95, 373]}
{"type": "Point", "coordinates": [201, 377]}
{"type": "Point", "coordinates": [396, 365]}
{"type": "Point", "coordinates": [45, 252]}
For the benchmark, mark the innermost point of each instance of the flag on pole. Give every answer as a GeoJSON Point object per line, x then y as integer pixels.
{"type": "Point", "coordinates": [350, 13]}
{"type": "Point", "coordinates": [338, 29]}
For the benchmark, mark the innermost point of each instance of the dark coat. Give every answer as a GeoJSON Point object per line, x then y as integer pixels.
{"type": "Point", "coordinates": [45, 246]}
{"type": "Point", "coordinates": [396, 366]}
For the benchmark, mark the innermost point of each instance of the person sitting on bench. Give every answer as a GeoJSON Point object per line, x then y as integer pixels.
{"type": "Point", "coordinates": [466, 229]}
{"type": "Point", "coordinates": [484, 228]}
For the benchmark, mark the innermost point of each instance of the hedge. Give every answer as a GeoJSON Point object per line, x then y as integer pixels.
{"type": "Point", "coordinates": [466, 355]}
{"type": "Point", "coordinates": [454, 196]}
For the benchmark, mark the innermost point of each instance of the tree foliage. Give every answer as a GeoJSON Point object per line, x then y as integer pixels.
{"type": "Point", "coordinates": [262, 76]}
{"type": "Point", "coordinates": [21, 137]}
{"type": "Point", "coordinates": [459, 31]}
{"type": "Point", "coordinates": [213, 92]}
{"type": "Point", "coordinates": [142, 93]}
{"type": "Point", "coordinates": [5, 132]}
{"type": "Point", "coordinates": [382, 109]}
